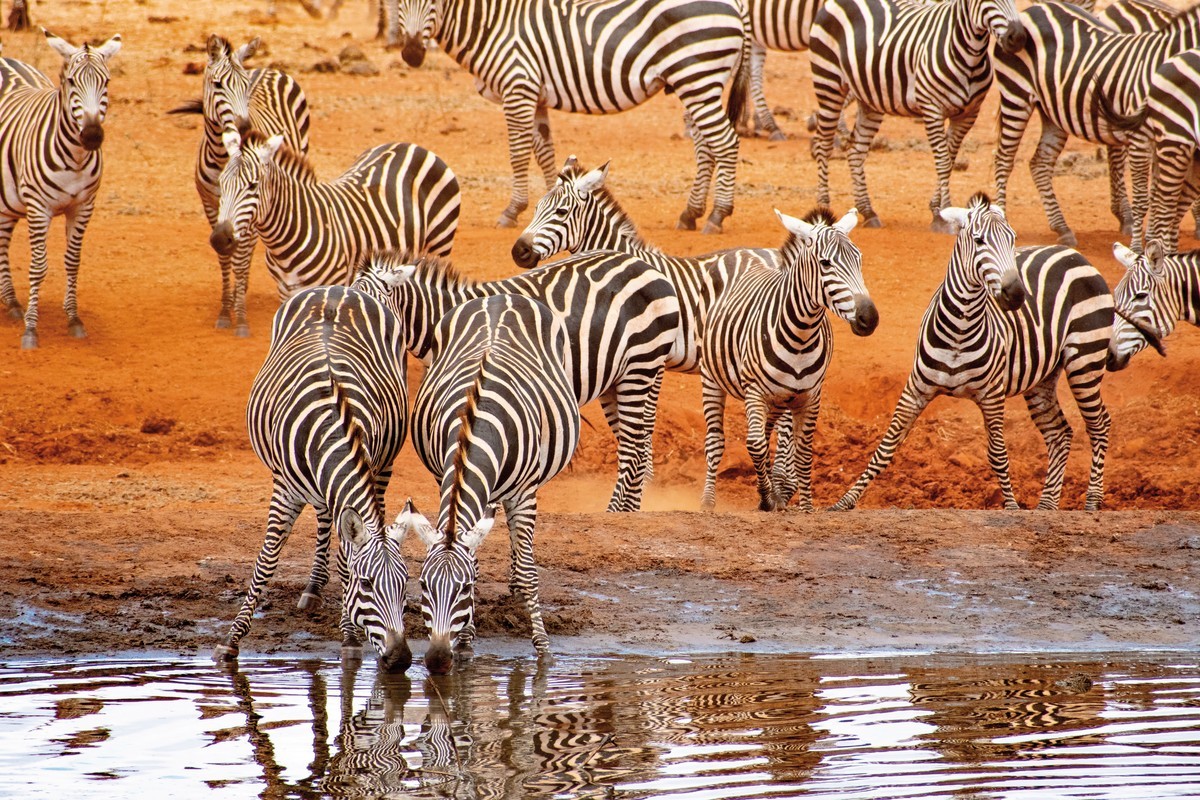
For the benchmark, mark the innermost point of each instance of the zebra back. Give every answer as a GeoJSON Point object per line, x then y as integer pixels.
{"type": "Point", "coordinates": [1137, 16]}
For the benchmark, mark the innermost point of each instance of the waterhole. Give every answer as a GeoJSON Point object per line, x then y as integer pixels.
{"type": "Point", "coordinates": [626, 727]}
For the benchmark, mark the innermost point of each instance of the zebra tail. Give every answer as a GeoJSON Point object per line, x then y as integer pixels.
{"type": "Point", "coordinates": [190, 107]}
{"type": "Point", "coordinates": [459, 460]}
{"type": "Point", "coordinates": [739, 93]}
{"type": "Point", "coordinates": [1119, 121]}
{"type": "Point", "coordinates": [353, 431]}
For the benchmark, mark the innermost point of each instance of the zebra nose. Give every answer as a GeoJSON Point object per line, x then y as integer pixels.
{"type": "Point", "coordinates": [412, 51]}
{"type": "Point", "coordinates": [866, 316]}
{"type": "Point", "coordinates": [1114, 361]}
{"type": "Point", "coordinates": [222, 238]}
{"type": "Point", "coordinates": [1013, 38]}
{"type": "Point", "coordinates": [396, 656]}
{"type": "Point", "coordinates": [1012, 294]}
{"type": "Point", "coordinates": [243, 126]}
{"type": "Point", "coordinates": [439, 659]}
{"type": "Point", "coordinates": [523, 253]}
{"type": "Point", "coordinates": [92, 136]}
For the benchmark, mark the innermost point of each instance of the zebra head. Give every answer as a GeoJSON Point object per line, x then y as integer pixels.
{"type": "Point", "coordinates": [448, 586]}
{"type": "Point", "coordinates": [373, 599]}
{"type": "Point", "coordinates": [561, 218]}
{"type": "Point", "coordinates": [83, 87]}
{"type": "Point", "coordinates": [821, 246]}
{"type": "Point", "coordinates": [415, 20]}
{"type": "Point", "coordinates": [245, 187]}
{"type": "Point", "coordinates": [1000, 18]}
{"type": "Point", "coordinates": [985, 251]}
{"type": "Point", "coordinates": [226, 101]}
{"type": "Point", "coordinates": [1146, 307]}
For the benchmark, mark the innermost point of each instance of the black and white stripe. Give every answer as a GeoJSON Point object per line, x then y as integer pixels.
{"type": "Point", "coordinates": [1073, 70]}
{"type": "Point", "coordinates": [265, 100]}
{"type": "Point", "coordinates": [621, 317]}
{"type": "Point", "coordinates": [1156, 291]}
{"type": "Point", "coordinates": [904, 59]}
{"type": "Point", "coordinates": [596, 57]}
{"type": "Point", "coordinates": [327, 414]}
{"type": "Point", "coordinates": [315, 232]}
{"type": "Point", "coordinates": [51, 165]}
{"type": "Point", "coordinates": [495, 419]}
{"type": "Point", "coordinates": [768, 342]}
{"type": "Point", "coordinates": [1008, 322]}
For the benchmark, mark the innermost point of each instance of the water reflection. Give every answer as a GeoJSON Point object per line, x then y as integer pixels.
{"type": "Point", "coordinates": [743, 726]}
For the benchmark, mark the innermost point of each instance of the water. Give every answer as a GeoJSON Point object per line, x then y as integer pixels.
{"type": "Point", "coordinates": [703, 728]}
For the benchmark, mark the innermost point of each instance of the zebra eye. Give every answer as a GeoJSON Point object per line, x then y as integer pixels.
{"type": "Point", "coordinates": [366, 583]}
{"type": "Point", "coordinates": [561, 211]}
{"type": "Point", "coordinates": [217, 84]}
{"type": "Point", "coordinates": [979, 240]}
{"type": "Point", "coordinates": [252, 185]}
{"type": "Point", "coordinates": [825, 263]}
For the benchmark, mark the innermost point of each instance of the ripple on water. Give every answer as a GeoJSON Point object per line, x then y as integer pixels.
{"type": "Point", "coordinates": [701, 728]}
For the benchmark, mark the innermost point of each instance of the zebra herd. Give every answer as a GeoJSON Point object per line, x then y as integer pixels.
{"type": "Point", "coordinates": [361, 264]}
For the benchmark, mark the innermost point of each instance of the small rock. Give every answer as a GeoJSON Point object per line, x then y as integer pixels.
{"type": "Point", "coordinates": [351, 52]}
{"type": "Point", "coordinates": [360, 68]}
{"type": "Point", "coordinates": [1190, 543]}
{"type": "Point", "coordinates": [328, 65]}
{"type": "Point", "coordinates": [158, 425]}
{"type": "Point", "coordinates": [1077, 684]}
{"type": "Point", "coordinates": [747, 639]}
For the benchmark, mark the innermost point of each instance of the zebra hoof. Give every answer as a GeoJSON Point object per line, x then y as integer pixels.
{"type": "Point", "coordinates": [710, 228]}
{"type": "Point", "coordinates": [308, 600]}
{"type": "Point", "coordinates": [1126, 227]}
{"type": "Point", "coordinates": [777, 136]}
{"type": "Point", "coordinates": [15, 312]}
{"type": "Point", "coordinates": [29, 341]}
{"type": "Point", "coordinates": [1067, 238]}
{"type": "Point", "coordinates": [242, 331]}
{"type": "Point", "coordinates": [687, 221]}
{"type": "Point", "coordinates": [76, 330]}
{"type": "Point", "coordinates": [872, 220]}
{"type": "Point", "coordinates": [223, 322]}
{"type": "Point", "coordinates": [1011, 506]}
{"type": "Point", "coordinates": [940, 225]}
{"type": "Point", "coordinates": [224, 653]}
{"type": "Point", "coordinates": [507, 221]}
{"type": "Point", "coordinates": [841, 505]}
{"type": "Point", "coordinates": [352, 654]}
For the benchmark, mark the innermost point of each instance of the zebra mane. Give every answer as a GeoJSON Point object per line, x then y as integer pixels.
{"type": "Point", "coordinates": [295, 164]}
{"type": "Point", "coordinates": [607, 199]}
{"type": "Point", "coordinates": [1184, 18]}
{"type": "Point", "coordinates": [820, 214]}
{"type": "Point", "coordinates": [459, 462]}
{"type": "Point", "coordinates": [979, 198]}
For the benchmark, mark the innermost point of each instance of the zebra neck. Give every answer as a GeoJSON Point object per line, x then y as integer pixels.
{"type": "Point", "coordinates": [962, 310]}
{"type": "Point", "coordinates": [67, 149]}
{"type": "Point", "coordinates": [802, 313]}
{"type": "Point", "coordinates": [1183, 33]}
{"type": "Point", "coordinates": [465, 29]}
{"type": "Point", "coordinates": [973, 43]}
{"type": "Point", "coordinates": [295, 202]}
{"type": "Point", "coordinates": [1185, 282]}
{"type": "Point", "coordinates": [425, 303]}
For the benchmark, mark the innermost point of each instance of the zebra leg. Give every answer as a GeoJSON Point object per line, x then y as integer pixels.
{"type": "Point", "coordinates": [714, 438]}
{"type": "Point", "coordinates": [520, 110]}
{"type": "Point", "coordinates": [39, 226]}
{"type": "Point", "coordinates": [806, 424]}
{"type": "Point", "coordinates": [866, 125]}
{"type": "Point", "coordinates": [351, 644]}
{"type": "Point", "coordinates": [543, 146]}
{"type": "Point", "coordinates": [935, 132]}
{"type": "Point", "coordinates": [992, 407]}
{"type": "Point", "coordinates": [1118, 199]}
{"type": "Point", "coordinates": [764, 120]}
{"type": "Point", "coordinates": [224, 316]}
{"type": "Point", "coordinates": [716, 133]}
{"type": "Point", "coordinates": [1041, 166]}
{"type": "Point", "coordinates": [1172, 164]}
{"type": "Point", "coordinates": [831, 97]}
{"type": "Point", "coordinates": [705, 166]}
{"type": "Point", "coordinates": [1084, 377]}
{"type": "Point", "coordinates": [1014, 118]}
{"type": "Point", "coordinates": [783, 472]}
{"type": "Point", "coordinates": [521, 513]}
{"type": "Point", "coordinates": [649, 420]}
{"type": "Point", "coordinates": [760, 422]}
{"type": "Point", "coordinates": [240, 265]}
{"type": "Point", "coordinates": [76, 224]}
{"type": "Point", "coordinates": [626, 412]}
{"type": "Point", "coordinates": [319, 576]}
{"type": "Point", "coordinates": [1143, 173]}
{"type": "Point", "coordinates": [955, 131]}
{"type": "Point", "coordinates": [8, 295]}
{"type": "Point", "coordinates": [280, 519]}
{"type": "Point", "coordinates": [1048, 416]}
{"type": "Point", "coordinates": [907, 410]}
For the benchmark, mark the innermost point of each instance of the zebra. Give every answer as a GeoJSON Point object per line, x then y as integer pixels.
{"type": "Point", "coordinates": [1071, 69]}
{"type": "Point", "coordinates": [315, 232]}
{"type": "Point", "coordinates": [768, 342]}
{"type": "Point", "coordinates": [18, 16]}
{"type": "Point", "coordinates": [1007, 322]}
{"type": "Point", "coordinates": [1156, 291]}
{"type": "Point", "coordinates": [495, 418]}
{"type": "Point", "coordinates": [595, 57]}
{"type": "Point", "coordinates": [266, 100]}
{"type": "Point", "coordinates": [327, 414]}
{"type": "Point", "coordinates": [374, 755]}
{"type": "Point", "coordinates": [907, 59]}
{"type": "Point", "coordinates": [50, 142]}
{"type": "Point", "coordinates": [775, 25]}
{"type": "Point", "coordinates": [1136, 16]}
{"type": "Point", "coordinates": [621, 315]}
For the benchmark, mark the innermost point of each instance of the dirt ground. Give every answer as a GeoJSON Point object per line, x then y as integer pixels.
{"type": "Point", "coordinates": [131, 505]}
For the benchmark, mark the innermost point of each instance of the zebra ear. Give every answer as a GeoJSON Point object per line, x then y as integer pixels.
{"type": "Point", "coordinates": [60, 46]}
{"type": "Point", "coordinates": [272, 147]}
{"type": "Point", "coordinates": [410, 520]}
{"type": "Point", "coordinates": [955, 216]}
{"type": "Point", "coordinates": [1155, 252]}
{"type": "Point", "coordinates": [797, 226]}
{"type": "Point", "coordinates": [247, 50]}
{"type": "Point", "coordinates": [592, 180]}
{"type": "Point", "coordinates": [232, 141]}
{"type": "Point", "coordinates": [109, 48]}
{"type": "Point", "coordinates": [215, 47]}
{"type": "Point", "coordinates": [1123, 254]}
{"type": "Point", "coordinates": [847, 223]}
{"type": "Point", "coordinates": [352, 528]}
{"type": "Point", "coordinates": [474, 537]}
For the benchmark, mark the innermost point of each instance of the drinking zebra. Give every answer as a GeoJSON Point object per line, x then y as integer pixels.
{"type": "Point", "coordinates": [495, 418]}
{"type": "Point", "coordinates": [905, 59]}
{"type": "Point", "coordinates": [1072, 69]}
{"type": "Point", "coordinates": [315, 232]}
{"type": "Point", "coordinates": [327, 414]}
{"type": "Point", "coordinates": [621, 317]}
{"type": "Point", "coordinates": [50, 147]}
{"type": "Point", "coordinates": [265, 100]}
{"type": "Point", "coordinates": [1007, 322]}
{"type": "Point", "coordinates": [768, 342]}
{"type": "Point", "coordinates": [1156, 291]}
{"type": "Point", "coordinates": [596, 58]}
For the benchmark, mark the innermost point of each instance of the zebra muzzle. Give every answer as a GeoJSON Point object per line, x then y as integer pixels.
{"type": "Point", "coordinates": [412, 50]}
{"type": "Point", "coordinates": [523, 254]}
{"type": "Point", "coordinates": [396, 656]}
{"type": "Point", "coordinates": [222, 238]}
{"type": "Point", "coordinates": [1012, 294]}
{"type": "Point", "coordinates": [1013, 38]}
{"type": "Point", "coordinates": [1115, 361]}
{"type": "Point", "coordinates": [866, 316]}
{"type": "Point", "coordinates": [92, 136]}
{"type": "Point", "coordinates": [439, 658]}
